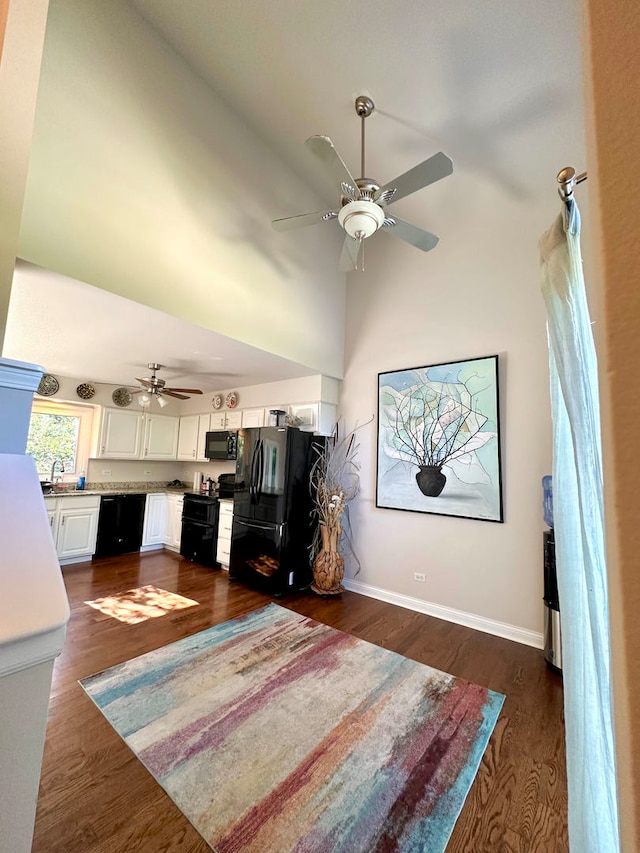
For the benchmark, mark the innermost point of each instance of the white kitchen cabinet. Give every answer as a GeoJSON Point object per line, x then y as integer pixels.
{"type": "Point", "coordinates": [319, 418]}
{"type": "Point", "coordinates": [218, 420]}
{"type": "Point", "coordinates": [204, 425]}
{"type": "Point", "coordinates": [225, 522]}
{"type": "Point", "coordinates": [154, 528]}
{"type": "Point", "coordinates": [188, 437]}
{"type": "Point", "coordinates": [121, 434]}
{"type": "Point", "coordinates": [252, 418]}
{"type": "Point", "coordinates": [74, 526]}
{"type": "Point", "coordinates": [174, 522]}
{"type": "Point", "coordinates": [160, 437]}
{"type": "Point", "coordinates": [226, 420]}
{"type": "Point", "coordinates": [125, 434]}
{"type": "Point", "coordinates": [192, 436]}
{"type": "Point", "coordinates": [52, 515]}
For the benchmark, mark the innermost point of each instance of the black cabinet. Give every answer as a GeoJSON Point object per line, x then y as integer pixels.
{"type": "Point", "coordinates": [120, 524]}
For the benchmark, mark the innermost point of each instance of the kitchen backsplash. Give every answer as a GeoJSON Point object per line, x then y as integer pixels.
{"type": "Point", "coordinates": [122, 473]}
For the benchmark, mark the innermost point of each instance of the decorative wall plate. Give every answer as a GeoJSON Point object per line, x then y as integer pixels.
{"type": "Point", "coordinates": [216, 401]}
{"type": "Point", "coordinates": [232, 400]}
{"type": "Point", "coordinates": [121, 397]}
{"type": "Point", "coordinates": [48, 386]}
{"type": "Point", "coordinates": [85, 391]}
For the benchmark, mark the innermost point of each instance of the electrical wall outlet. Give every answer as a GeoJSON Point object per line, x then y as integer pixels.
{"type": "Point", "coordinates": [419, 576]}
{"type": "Point", "coordinates": [106, 472]}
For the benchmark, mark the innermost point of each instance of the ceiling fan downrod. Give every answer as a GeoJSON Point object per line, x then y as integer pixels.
{"type": "Point", "coordinates": [360, 216]}
{"type": "Point", "coordinates": [364, 108]}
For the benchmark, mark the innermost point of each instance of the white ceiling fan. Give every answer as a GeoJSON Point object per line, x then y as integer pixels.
{"type": "Point", "coordinates": [362, 202]}
{"type": "Point", "coordinates": [156, 388]}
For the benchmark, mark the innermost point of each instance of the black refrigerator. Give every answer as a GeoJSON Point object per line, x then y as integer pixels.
{"type": "Point", "coordinates": [272, 524]}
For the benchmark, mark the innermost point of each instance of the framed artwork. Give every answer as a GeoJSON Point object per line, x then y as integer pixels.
{"type": "Point", "coordinates": [439, 439]}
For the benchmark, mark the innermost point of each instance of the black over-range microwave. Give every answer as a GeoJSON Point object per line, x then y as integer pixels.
{"type": "Point", "coordinates": [221, 444]}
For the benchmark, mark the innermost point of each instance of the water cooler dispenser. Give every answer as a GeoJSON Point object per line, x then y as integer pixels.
{"type": "Point", "coordinates": [552, 629]}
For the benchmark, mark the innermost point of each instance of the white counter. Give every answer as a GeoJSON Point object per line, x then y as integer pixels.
{"type": "Point", "coordinates": [33, 616]}
{"type": "Point", "coordinates": [33, 603]}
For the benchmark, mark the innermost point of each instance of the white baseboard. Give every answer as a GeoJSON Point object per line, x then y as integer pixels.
{"type": "Point", "coordinates": [449, 614]}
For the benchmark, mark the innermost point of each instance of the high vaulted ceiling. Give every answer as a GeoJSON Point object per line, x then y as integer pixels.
{"type": "Point", "coordinates": [496, 86]}
{"type": "Point", "coordinates": [492, 84]}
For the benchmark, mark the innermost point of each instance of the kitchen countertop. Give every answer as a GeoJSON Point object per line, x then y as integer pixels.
{"type": "Point", "coordinates": [120, 489]}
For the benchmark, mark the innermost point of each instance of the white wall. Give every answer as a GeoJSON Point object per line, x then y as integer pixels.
{"type": "Point", "coordinates": [21, 39]}
{"type": "Point", "coordinates": [476, 294]}
{"type": "Point", "coordinates": [144, 183]}
{"type": "Point", "coordinates": [307, 389]}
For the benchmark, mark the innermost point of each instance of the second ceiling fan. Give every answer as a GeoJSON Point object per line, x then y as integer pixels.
{"type": "Point", "coordinates": [154, 387]}
{"type": "Point", "coordinates": [362, 202]}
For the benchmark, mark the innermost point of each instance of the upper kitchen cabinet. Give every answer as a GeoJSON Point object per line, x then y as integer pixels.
{"type": "Point", "coordinates": [125, 434]}
{"type": "Point", "coordinates": [319, 418]}
{"type": "Point", "coordinates": [121, 434]}
{"type": "Point", "coordinates": [253, 418]}
{"type": "Point", "coordinates": [226, 420]}
{"type": "Point", "coordinates": [191, 438]}
{"type": "Point", "coordinates": [160, 437]}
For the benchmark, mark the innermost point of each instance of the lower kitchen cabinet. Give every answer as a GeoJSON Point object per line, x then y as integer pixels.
{"type": "Point", "coordinates": [225, 522]}
{"type": "Point", "coordinates": [173, 529]}
{"type": "Point", "coordinates": [74, 526]}
{"type": "Point", "coordinates": [154, 528]}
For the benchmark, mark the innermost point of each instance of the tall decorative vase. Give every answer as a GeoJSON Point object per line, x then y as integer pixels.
{"type": "Point", "coordinates": [328, 566]}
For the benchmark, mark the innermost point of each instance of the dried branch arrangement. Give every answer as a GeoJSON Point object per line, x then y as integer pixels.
{"type": "Point", "coordinates": [334, 482]}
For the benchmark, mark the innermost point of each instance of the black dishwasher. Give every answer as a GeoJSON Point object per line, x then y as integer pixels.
{"type": "Point", "coordinates": [120, 524]}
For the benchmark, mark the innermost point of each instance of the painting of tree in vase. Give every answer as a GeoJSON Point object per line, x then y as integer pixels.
{"type": "Point", "coordinates": [439, 439]}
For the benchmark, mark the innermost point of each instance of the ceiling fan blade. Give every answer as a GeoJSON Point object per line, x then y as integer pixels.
{"type": "Point", "coordinates": [322, 147]}
{"type": "Point", "coordinates": [183, 390]}
{"type": "Point", "coordinates": [424, 240]}
{"type": "Point", "coordinates": [349, 255]}
{"type": "Point", "coordinates": [144, 382]}
{"type": "Point", "coordinates": [304, 219]}
{"type": "Point", "coordinates": [428, 172]}
{"type": "Point", "coordinates": [173, 394]}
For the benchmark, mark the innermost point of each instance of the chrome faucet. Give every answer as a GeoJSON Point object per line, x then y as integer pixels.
{"type": "Point", "coordinates": [53, 468]}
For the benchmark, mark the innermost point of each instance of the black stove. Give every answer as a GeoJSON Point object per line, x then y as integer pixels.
{"type": "Point", "coordinates": [200, 528]}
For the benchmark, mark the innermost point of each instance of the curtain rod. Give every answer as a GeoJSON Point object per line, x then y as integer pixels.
{"type": "Point", "coordinates": [567, 180]}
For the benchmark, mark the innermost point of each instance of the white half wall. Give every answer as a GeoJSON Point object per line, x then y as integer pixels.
{"type": "Point", "coordinates": [144, 183]}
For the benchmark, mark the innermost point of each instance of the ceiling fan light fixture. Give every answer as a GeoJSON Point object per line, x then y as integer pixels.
{"type": "Point", "coordinates": [361, 219]}
{"type": "Point", "coordinates": [161, 401]}
{"type": "Point", "coordinates": [144, 400]}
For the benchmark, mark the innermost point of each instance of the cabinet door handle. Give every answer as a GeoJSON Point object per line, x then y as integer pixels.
{"type": "Point", "coordinates": [62, 520]}
{"type": "Point", "coordinates": [193, 453]}
{"type": "Point", "coordinates": [51, 521]}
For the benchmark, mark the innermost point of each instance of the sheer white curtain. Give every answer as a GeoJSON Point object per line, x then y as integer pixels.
{"type": "Point", "coordinates": [579, 537]}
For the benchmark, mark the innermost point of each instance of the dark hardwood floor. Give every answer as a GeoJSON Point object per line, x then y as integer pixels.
{"type": "Point", "coordinates": [96, 796]}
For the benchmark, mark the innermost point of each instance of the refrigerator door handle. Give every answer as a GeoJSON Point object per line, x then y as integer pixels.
{"type": "Point", "coordinates": [252, 477]}
{"type": "Point", "coordinates": [251, 524]}
{"type": "Point", "coordinates": [261, 470]}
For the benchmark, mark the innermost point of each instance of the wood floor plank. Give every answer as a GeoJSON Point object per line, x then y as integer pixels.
{"type": "Point", "coordinates": [96, 797]}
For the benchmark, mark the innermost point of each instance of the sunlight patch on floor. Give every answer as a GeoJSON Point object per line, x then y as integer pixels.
{"type": "Point", "coordinates": [138, 605]}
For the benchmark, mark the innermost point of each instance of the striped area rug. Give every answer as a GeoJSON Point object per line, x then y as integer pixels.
{"type": "Point", "coordinates": [274, 733]}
